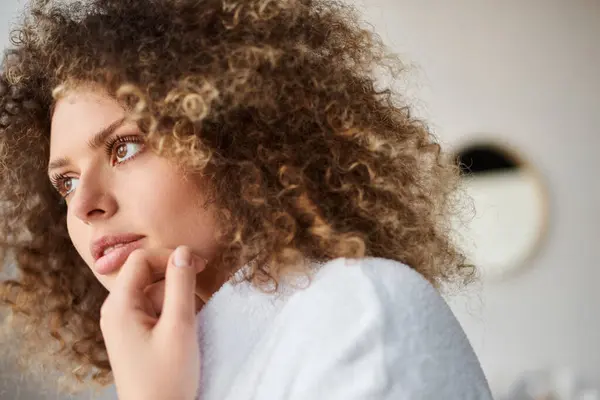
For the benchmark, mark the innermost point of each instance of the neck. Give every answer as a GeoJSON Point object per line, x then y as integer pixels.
{"type": "Point", "coordinates": [209, 281]}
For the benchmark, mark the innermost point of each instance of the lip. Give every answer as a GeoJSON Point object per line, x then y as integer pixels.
{"type": "Point", "coordinates": [112, 261]}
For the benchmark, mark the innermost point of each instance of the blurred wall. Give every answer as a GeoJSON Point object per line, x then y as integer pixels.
{"type": "Point", "coordinates": [527, 72]}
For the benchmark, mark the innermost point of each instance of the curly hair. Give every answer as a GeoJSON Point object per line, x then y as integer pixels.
{"type": "Point", "coordinates": [275, 101]}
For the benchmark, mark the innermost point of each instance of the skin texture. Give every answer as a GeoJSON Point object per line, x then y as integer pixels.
{"type": "Point", "coordinates": [129, 190]}
{"type": "Point", "coordinates": [153, 358]}
{"type": "Point", "coordinates": [148, 320]}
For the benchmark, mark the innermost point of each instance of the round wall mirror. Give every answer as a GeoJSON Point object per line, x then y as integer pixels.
{"type": "Point", "coordinates": [510, 205]}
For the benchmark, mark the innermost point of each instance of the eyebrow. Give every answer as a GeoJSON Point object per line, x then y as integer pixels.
{"type": "Point", "coordinates": [94, 143]}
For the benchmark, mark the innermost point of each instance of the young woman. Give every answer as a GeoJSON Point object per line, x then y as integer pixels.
{"type": "Point", "coordinates": [213, 199]}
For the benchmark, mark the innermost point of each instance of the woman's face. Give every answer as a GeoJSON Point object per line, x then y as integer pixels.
{"type": "Point", "coordinates": [114, 186]}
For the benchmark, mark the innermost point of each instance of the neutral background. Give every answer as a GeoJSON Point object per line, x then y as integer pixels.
{"type": "Point", "coordinates": [525, 72]}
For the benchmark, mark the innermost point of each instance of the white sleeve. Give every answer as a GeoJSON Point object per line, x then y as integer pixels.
{"type": "Point", "coordinates": [375, 330]}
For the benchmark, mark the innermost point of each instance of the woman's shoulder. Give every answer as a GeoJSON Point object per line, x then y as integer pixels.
{"type": "Point", "coordinates": [372, 282]}
{"type": "Point", "coordinates": [376, 295]}
{"type": "Point", "coordinates": [389, 319]}
{"type": "Point", "coordinates": [369, 271]}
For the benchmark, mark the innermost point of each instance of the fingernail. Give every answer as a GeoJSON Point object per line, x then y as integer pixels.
{"type": "Point", "coordinates": [182, 257]}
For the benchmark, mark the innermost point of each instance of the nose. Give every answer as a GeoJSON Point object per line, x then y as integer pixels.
{"type": "Point", "coordinates": [92, 201]}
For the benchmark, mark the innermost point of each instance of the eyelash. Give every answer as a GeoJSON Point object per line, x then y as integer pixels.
{"type": "Point", "coordinates": [56, 179]}
{"type": "Point", "coordinates": [109, 147]}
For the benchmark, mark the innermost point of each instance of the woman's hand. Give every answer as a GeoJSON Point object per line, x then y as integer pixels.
{"type": "Point", "coordinates": [154, 357]}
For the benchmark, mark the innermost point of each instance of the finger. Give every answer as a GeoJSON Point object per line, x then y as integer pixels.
{"type": "Point", "coordinates": [180, 287]}
{"type": "Point", "coordinates": [115, 315]}
{"type": "Point", "coordinates": [142, 268]}
{"type": "Point", "coordinates": [156, 295]}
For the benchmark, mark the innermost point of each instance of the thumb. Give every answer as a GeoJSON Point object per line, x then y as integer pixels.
{"type": "Point", "coordinates": [180, 284]}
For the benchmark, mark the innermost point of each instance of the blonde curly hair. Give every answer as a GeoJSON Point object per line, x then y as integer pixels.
{"type": "Point", "coordinates": [274, 101]}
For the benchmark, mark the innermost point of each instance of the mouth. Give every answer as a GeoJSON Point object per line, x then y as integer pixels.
{"type": "Point", "coordinates": [110, 254]}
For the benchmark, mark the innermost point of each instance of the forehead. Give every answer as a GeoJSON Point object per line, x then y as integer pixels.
{"type": "Point", "coordinates": [78, 115]}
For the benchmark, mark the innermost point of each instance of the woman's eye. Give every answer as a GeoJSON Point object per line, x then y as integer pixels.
{"type": "Point", "coordinates": [126, 150]}
{"type": "Point", "coordinates": [65, 185]}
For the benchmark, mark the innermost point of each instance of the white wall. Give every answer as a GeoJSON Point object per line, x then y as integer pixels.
{"type": "Point", "coordinates": [526, 71]}
{"type": "Point", "coordinates": [8, 12]}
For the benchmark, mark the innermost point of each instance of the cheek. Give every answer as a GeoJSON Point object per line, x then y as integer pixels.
{"type": "Point", "coordinates": [163, 194]}
{"type": "Point", "coordinates": [176, 209]}
{"type": "Point", "coordinates": [78, 235]}
{"type": "Point", "coordinates": [172, 210]}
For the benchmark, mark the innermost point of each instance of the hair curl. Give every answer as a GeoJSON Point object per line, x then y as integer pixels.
{"type": "Point", "coordinates": [274, 101]}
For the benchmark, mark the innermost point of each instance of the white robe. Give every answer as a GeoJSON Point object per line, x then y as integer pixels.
{"type": "Point", "coordinates": [363, 329]}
